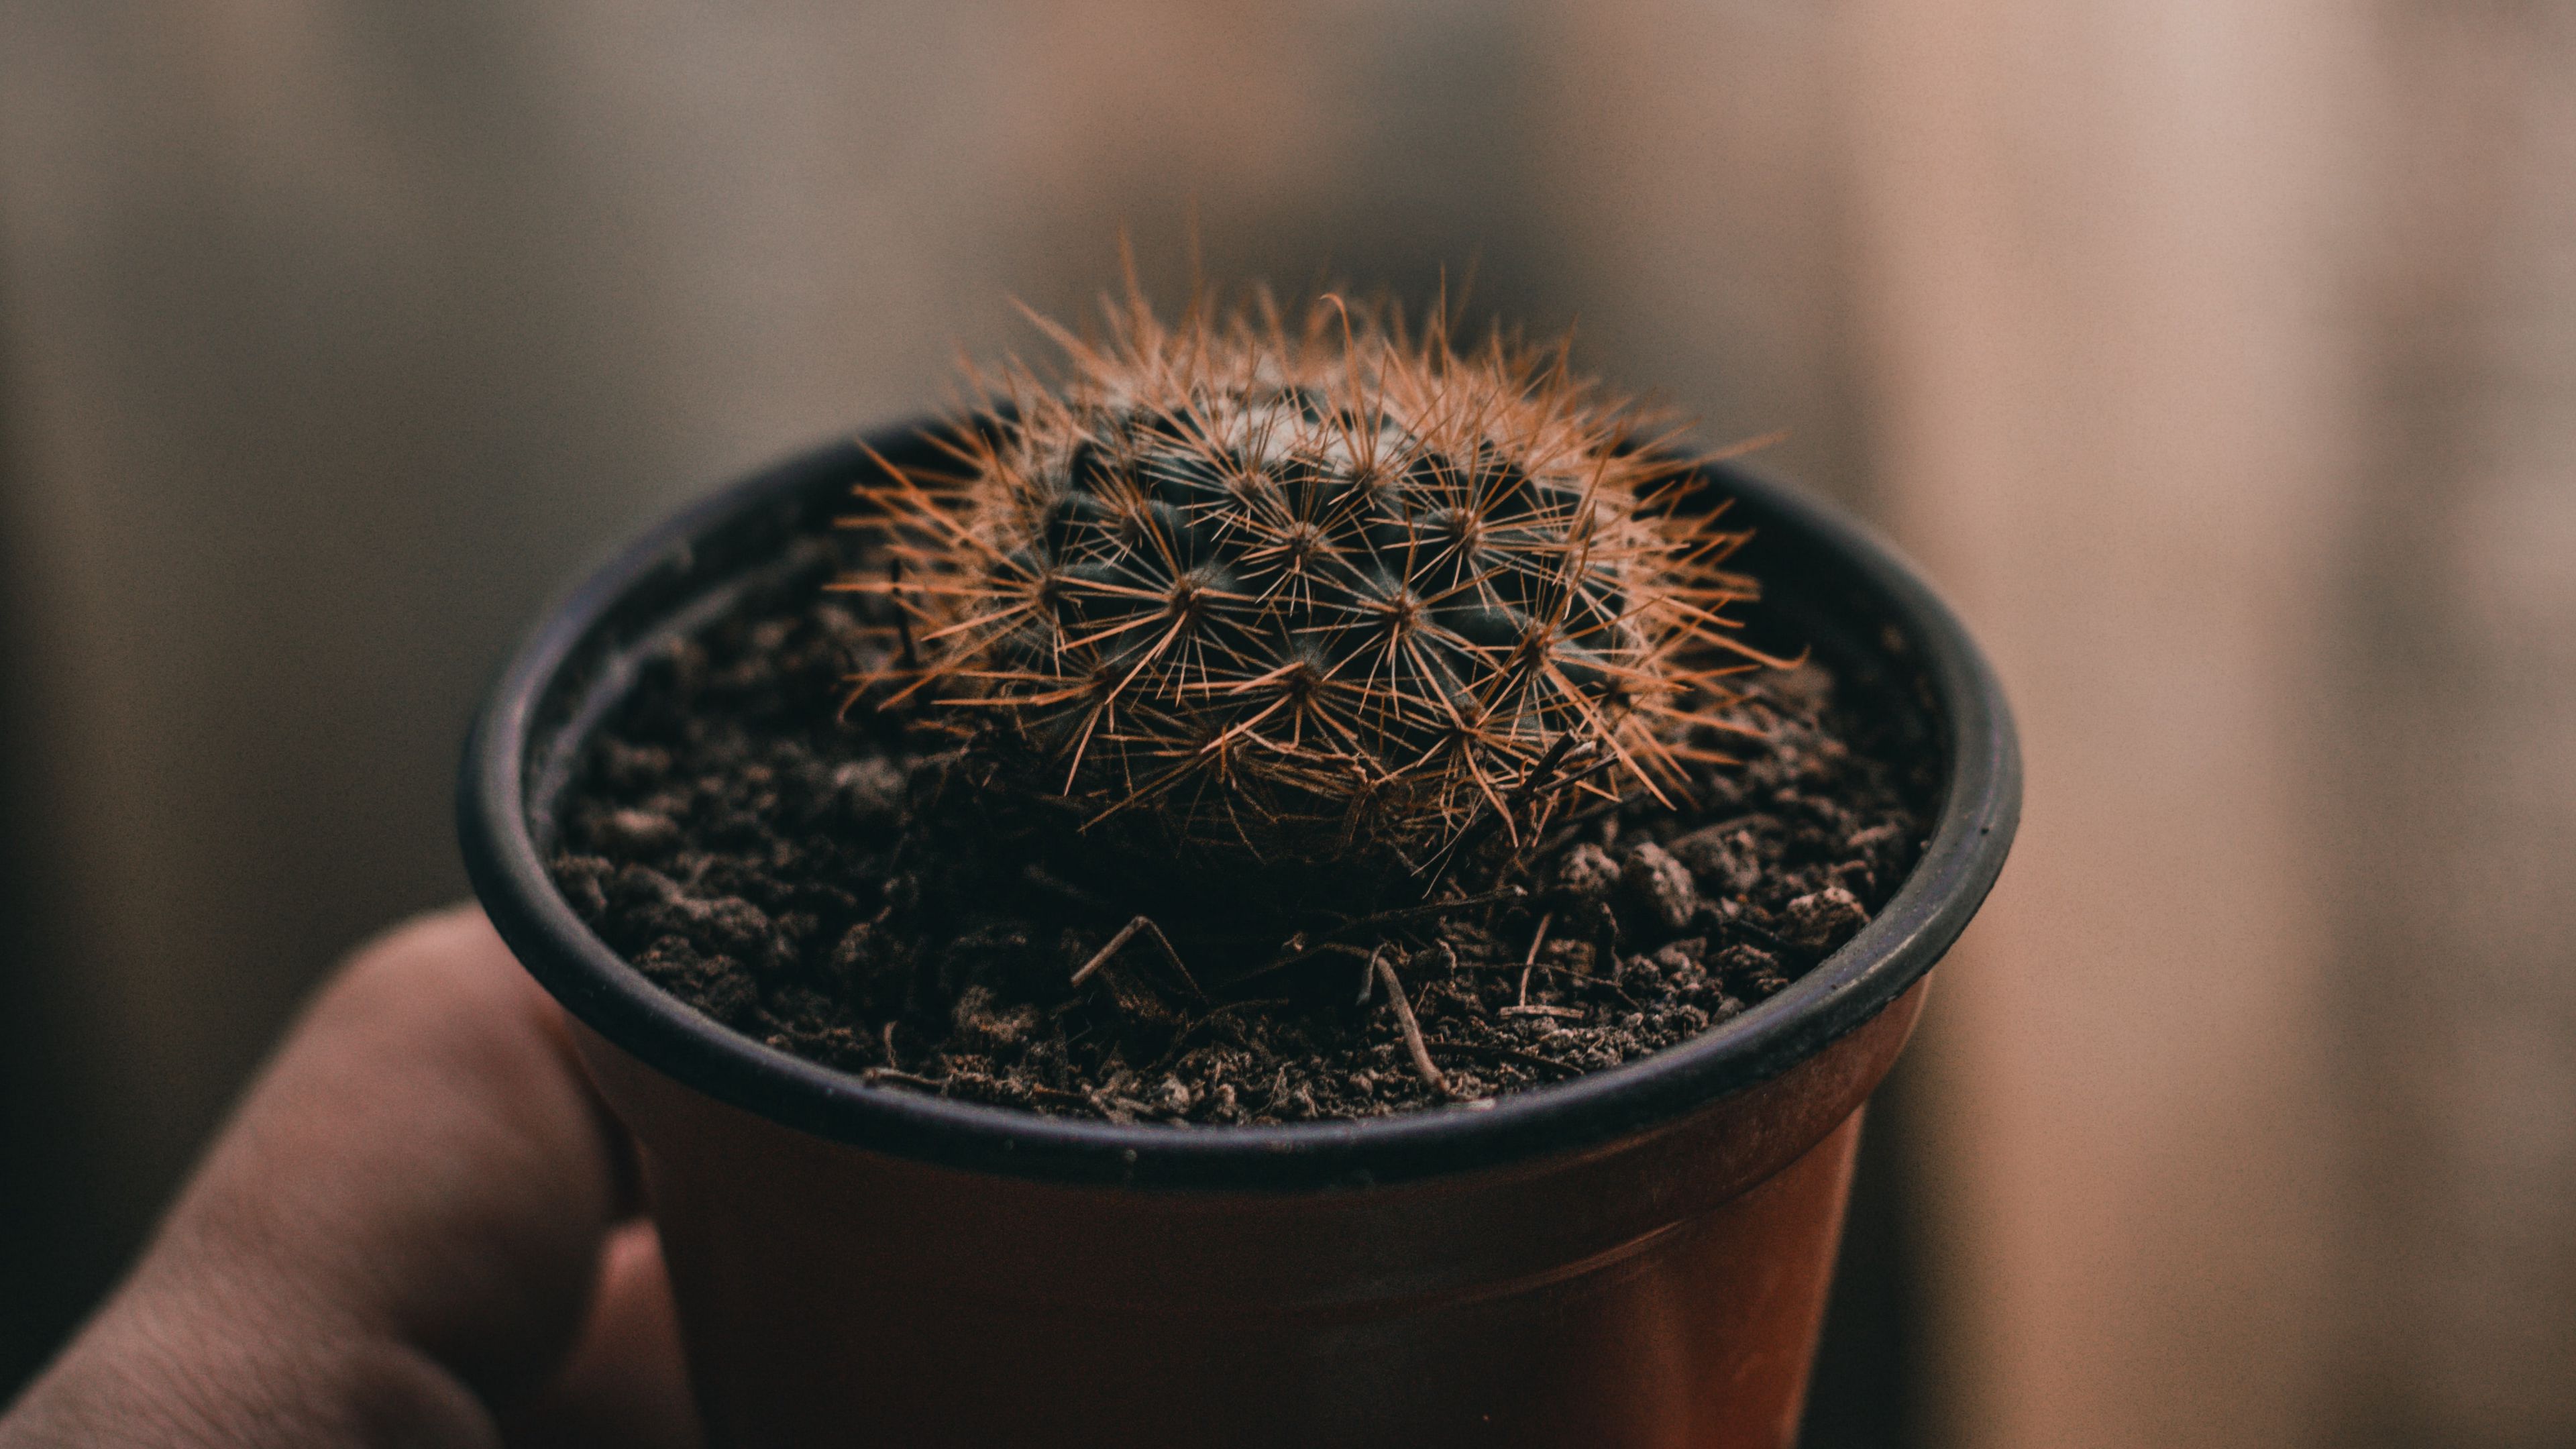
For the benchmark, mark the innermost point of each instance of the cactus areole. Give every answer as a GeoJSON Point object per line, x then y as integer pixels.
{"type": "Point", "coordinates": [1264, 599]}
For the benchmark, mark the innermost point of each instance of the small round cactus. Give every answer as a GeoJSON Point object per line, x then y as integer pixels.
{"type": "Point", "coordinates": [1311, 594]}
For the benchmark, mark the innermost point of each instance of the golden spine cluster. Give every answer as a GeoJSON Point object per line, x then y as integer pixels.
{"type": "Point", "coordinates": [1327, 590]}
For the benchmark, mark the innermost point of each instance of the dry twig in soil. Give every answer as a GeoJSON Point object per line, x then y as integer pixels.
{"type": "Point", "coordinates": [1531, 964]}
{"type": "Point", "coordinates": [1412, 1031]}
{"type": "Point", "coordinates": [1127, 933]}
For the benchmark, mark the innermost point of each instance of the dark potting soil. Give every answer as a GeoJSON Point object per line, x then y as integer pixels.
{"type": "Point", "coordinates": [842, 889]}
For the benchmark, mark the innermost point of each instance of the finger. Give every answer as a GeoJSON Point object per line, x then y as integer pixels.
{"type": "Point", "coordinates": [624, 1385]}
{"type": "Point", "coordinates": [400, 1225]}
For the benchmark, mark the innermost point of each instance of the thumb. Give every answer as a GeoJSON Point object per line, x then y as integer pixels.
{"type": "Point", "coordinates": [400, 1227]}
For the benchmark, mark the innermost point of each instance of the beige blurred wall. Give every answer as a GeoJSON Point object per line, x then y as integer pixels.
{"type": "Point", "coordinates": [2102, 258]}
{"type": "Point", "coordinates": [2226, 370]}
{"type": "Point", "coordinates": [2455, 883]}
{"type": "Point", "coordinates": [2219, 358]}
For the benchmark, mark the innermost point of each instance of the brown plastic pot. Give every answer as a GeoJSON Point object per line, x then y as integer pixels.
{"type": "Point", "coordinates": [1635, 1257]}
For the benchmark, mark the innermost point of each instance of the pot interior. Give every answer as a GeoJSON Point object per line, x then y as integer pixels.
{"type": "Point", "coordinates": [1828, 587]}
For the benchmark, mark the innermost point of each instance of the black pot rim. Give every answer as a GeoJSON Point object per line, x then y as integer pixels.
{"type": "Point", "coordinates": [1972, 832]}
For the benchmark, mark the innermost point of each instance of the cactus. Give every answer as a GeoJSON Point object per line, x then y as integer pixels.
{"type": "Point", "coordinates": [1255, 594]}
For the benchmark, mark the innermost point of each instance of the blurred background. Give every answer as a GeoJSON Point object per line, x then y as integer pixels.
{"type": "Point", "coordinates": [2218, 357]}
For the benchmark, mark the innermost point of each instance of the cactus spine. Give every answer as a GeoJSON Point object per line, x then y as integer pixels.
{"type": "Point", "coordinates": [1310, 593]}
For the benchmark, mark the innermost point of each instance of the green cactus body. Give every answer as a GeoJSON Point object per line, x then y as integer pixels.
{"type": "Point", "coordinates": [1314, 598]}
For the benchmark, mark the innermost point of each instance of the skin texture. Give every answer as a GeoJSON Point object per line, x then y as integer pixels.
{"type": "Point", "coordinates": [417, 1230]}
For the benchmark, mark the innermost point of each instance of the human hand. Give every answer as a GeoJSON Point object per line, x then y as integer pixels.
{"type": "Point", "coordinates": [413, 1232]}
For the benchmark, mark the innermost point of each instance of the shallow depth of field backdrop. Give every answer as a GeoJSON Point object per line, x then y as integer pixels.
{"type": "Point", "coordinates": [2217, 356]}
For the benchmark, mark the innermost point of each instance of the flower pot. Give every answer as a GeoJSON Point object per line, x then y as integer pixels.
{"type": "Point", "coordinates": [1634, 1257]}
